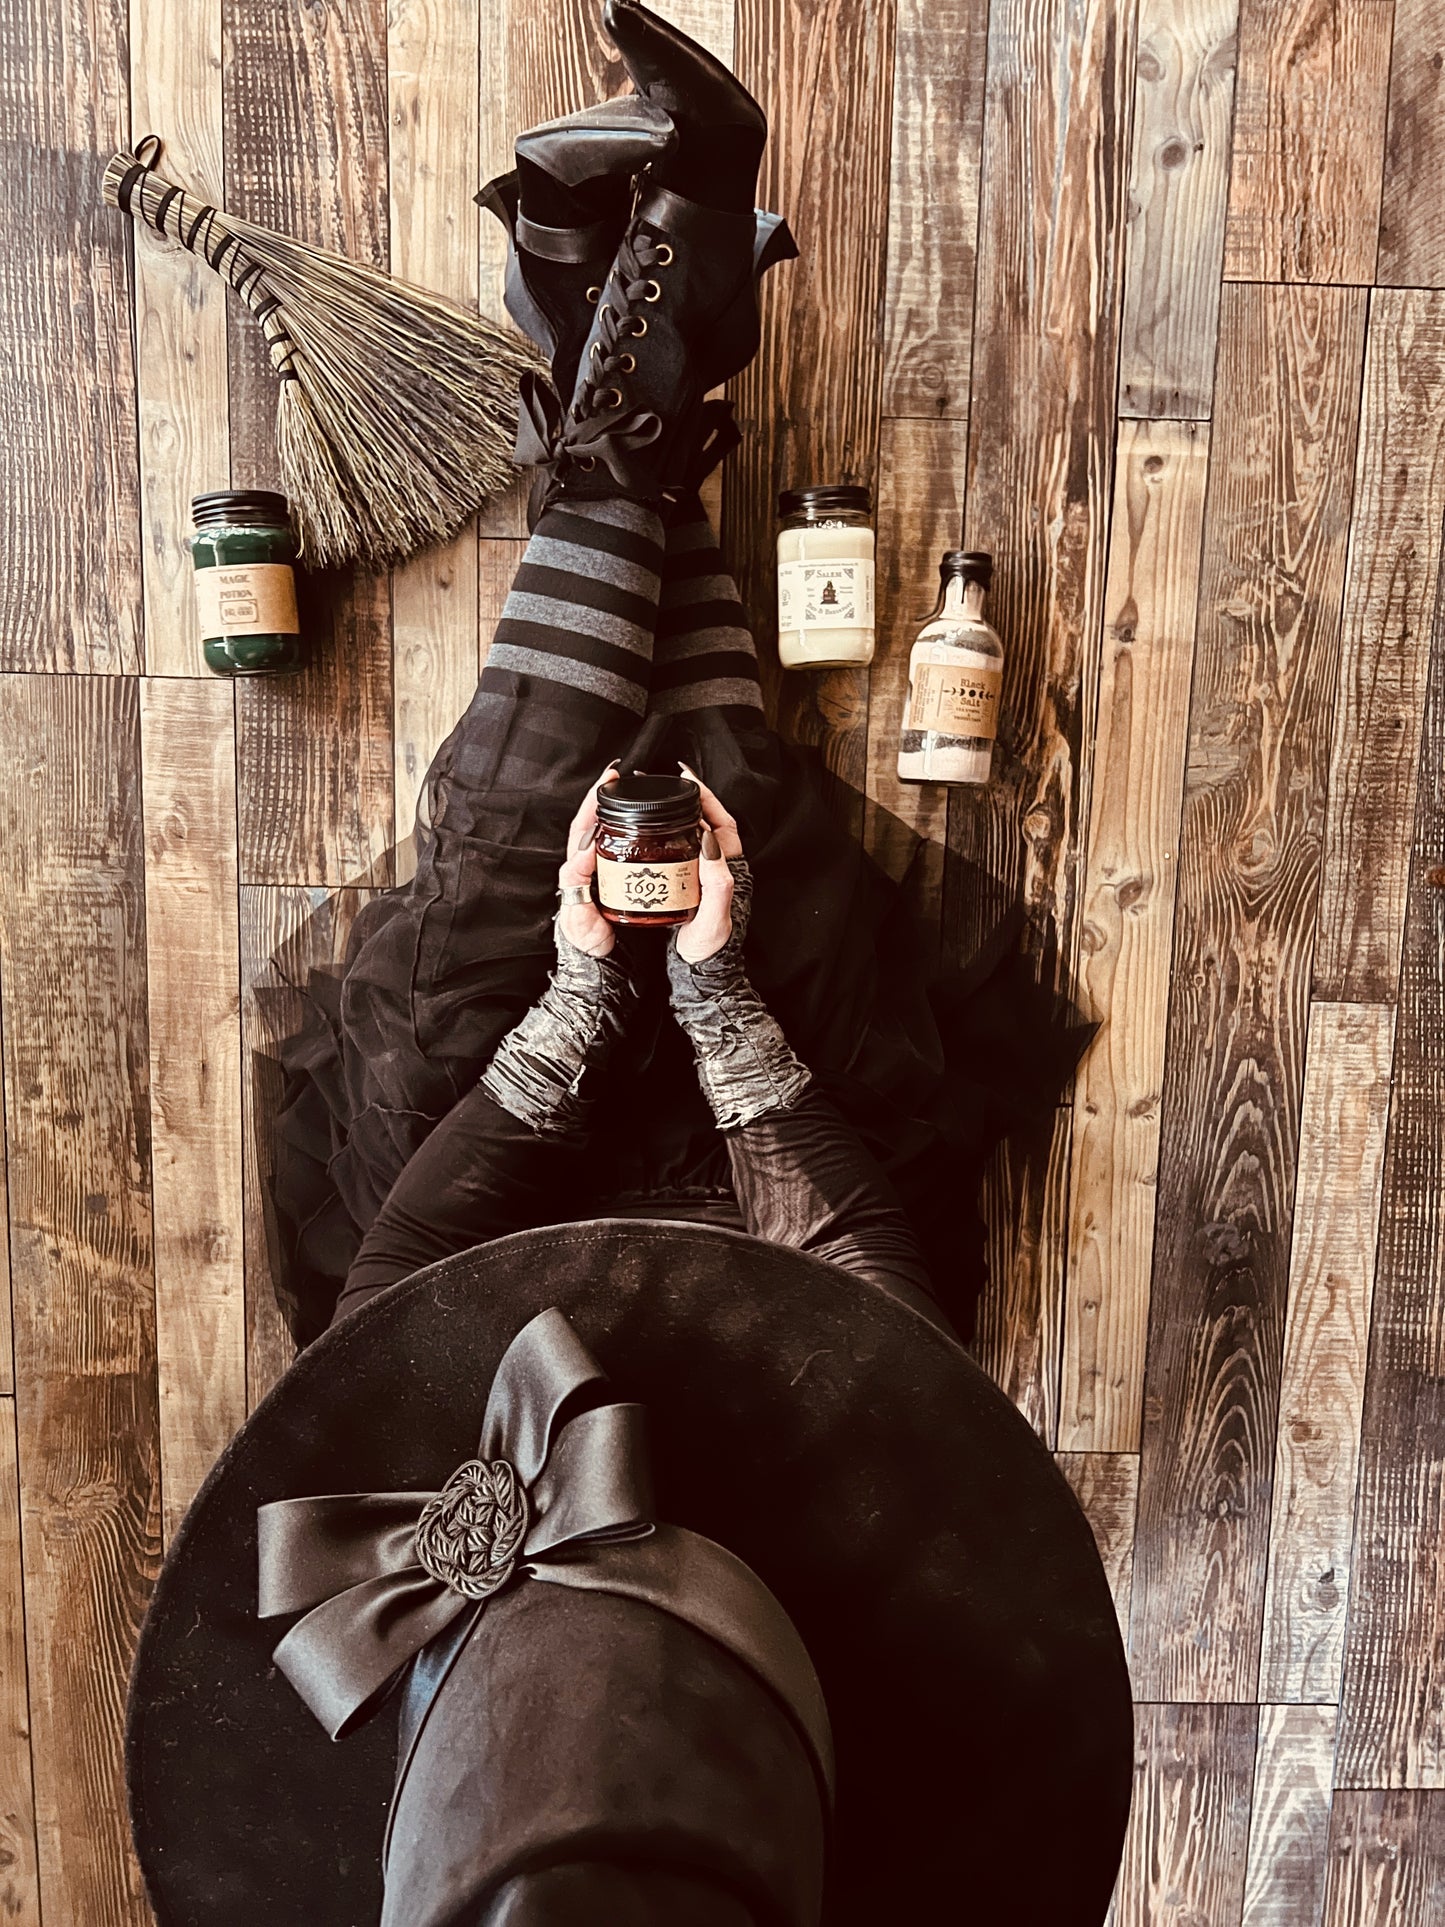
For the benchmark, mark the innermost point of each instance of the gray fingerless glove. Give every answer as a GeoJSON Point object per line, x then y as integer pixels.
{"type": "Point", "coordinates": [744, 1063]}
{"type": "Point", "coordinates": [540, 1072]}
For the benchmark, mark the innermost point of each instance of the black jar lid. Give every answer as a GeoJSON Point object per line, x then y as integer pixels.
{"type": "Point", "coordinates": [974, 565]}
{"type": "Point", "coordinates": [252, 508]}
{"type": "Point", "coordinates": [649, 803]}
{"type": "Point", "coordinates": [839, 496]}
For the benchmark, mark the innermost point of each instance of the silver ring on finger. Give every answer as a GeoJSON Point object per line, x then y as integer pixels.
{"type": "Point", "coordinates": [571, 893]}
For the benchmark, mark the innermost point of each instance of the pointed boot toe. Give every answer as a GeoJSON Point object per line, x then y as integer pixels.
{"type": "Point", "coordinates": [675, 73]}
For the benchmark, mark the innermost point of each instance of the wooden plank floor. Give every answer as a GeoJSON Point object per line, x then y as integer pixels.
{"type": "Point", "coordinates": [1148, 296]}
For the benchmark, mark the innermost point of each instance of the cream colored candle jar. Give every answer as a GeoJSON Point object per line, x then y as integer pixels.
{"type": "Point", "coordinates": [825, 578]}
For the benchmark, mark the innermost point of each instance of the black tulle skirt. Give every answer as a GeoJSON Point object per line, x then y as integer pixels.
{"type": "Point", "coordinates": [931, 1072]}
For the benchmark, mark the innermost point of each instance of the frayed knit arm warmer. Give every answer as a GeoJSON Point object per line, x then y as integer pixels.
{"type": "Point", "coordinates": [540, 1072]}
{"type": "Point", "coordinates": [801, 1174]}
{"type": "Point", "coordinates": [744, 1063]}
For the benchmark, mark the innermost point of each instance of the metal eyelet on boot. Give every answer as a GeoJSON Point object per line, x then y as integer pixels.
{"type": "Point", "coordinates": [628, 364]}
{"type": "Point", "coordinates": [656, 295]}
{"type": "Point", "coordinates": [594, 295]}
{"type": "Point", "coordinates": [587, 462]}
{"type": "Point", "coordinates": [664, 254]}
{"type": "Point", "coordinates": [603, 393]}
{"type": "Point", "coordinates": [639, 326]}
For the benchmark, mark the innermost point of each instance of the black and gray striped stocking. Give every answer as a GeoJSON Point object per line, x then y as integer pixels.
{"type": "Point", "coordinates": [704, 657]}
{"type": "Point", "coordinates": [583, 605]}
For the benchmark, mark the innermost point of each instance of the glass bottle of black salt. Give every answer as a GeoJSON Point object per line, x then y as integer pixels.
{"type": "Point", "coordinates": [955, 675]}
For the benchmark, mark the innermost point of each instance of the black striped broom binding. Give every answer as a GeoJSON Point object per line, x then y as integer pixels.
{"type": "Point", "coordinates": [398, 408]}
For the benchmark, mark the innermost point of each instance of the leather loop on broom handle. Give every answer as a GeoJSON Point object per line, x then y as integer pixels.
{"type": "Point", "coordinates": [131, 183]}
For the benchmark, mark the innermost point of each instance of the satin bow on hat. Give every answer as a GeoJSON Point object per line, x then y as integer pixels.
{"type": "Point", "coordinates": [380, 1575]}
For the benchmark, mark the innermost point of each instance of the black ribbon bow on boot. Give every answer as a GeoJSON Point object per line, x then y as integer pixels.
{"type": "Point", "coordinates": [380, 1576]}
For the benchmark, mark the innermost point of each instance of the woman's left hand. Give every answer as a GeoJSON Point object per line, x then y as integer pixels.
{"type": "Point", "coordinates": [711, 928]}
{"type": "Point", "coordinates": [583, 924]}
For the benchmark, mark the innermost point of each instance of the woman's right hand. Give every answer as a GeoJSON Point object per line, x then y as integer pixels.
{"type": "Point", "coordinates": [712, 927]}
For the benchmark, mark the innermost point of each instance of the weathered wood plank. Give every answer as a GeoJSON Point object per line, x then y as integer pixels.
{"type": "Point", "coordinates": [1389, 597]}
{"type": "Point", "coordinates": [313, 751]}
{"type": "Point", "coordinates": [1392, 1721]}
{"type": "Point", "coordinates": [1055, 161]}
{"type": "Point", "coordinates": [70, 594]}
{"type": "Point", "coordinates": [188, 747]}
{"type": "Point", "coordinates": [1184, 1858]}
{"type": "Point", "coordinates": [1128, 923]}
{"type": "Point", "coordinates": [1309, 132]}
{"type": "Point", "coordinates": [431, 63]}
{"type": "Point", "coordinates": [7, 1341]}
{"type": "Point", "coordinates": [72, 966]}
{"type": "Point", "coordinates": [1020, 1315]}
{"type": "Point", "coordinates": [1250, 850]}
{"type": "Point", "coordinates": [1322, 1385]}
{"type": "Point", "coordinates": [306, 152]}
{"type": "Point", "coordinates": [940, 56]}
{"type": "Point", "coordinates": [284, 935]}
{"type": "Point", "coordinates": [1290, 1816]}
{"type": "Point", "coordinates": [809, 405]}
{"type": "Point", "coordinates": [920, 515]}
{"type": "Point", "coordinates": [434, 617]}
{"type": "Point", "coordinates": [1106, 1485]}
{"type": "Point", "coordinates": [70, 589]}
{"type": "Point", "coordinates": [1386, 1860]}
{"type": "Point", "coordinates": [1179, 189]}
{"type": "Point", "coordinates": [180, 322]}
{"type": "Point", "coordinates": [497, 564]}
{"type": "Point", "coordinates": [19, 1876]}
{"type": "Point", "coordinates": [1412, 208]}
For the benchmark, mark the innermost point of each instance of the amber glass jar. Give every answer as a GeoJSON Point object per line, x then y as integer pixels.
{"type": "Point", "coordinates": [649, 834]}
{"type": "Point", "coordinates": [243, 549]}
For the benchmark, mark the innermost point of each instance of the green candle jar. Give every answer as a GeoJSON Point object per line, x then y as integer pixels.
{"type": "Point", "coordinates": [243, 549]}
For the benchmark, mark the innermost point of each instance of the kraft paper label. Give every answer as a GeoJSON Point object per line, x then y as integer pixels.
{"type": "Point", "coordinates": [648, 886]}
{"type": "Point", "coordinates": [837, 594]}
{"type": "Point", "coordinates": [253, 599]}
{"type": "Point", "coordinates": [956, 701]}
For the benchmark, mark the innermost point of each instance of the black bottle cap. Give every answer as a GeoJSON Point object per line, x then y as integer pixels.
{"type": "Point", "coordinates": [974, 565]}
{"type": "Point", "coordinates": [252, 508]}
{"type": "Point", "coordinates": [841, 496]}
{"type": "Point", "coordinates": [649, 803]}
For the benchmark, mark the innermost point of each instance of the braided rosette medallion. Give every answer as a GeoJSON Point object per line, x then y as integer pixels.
{"type": "Point", "coordinates": [471, 1532]}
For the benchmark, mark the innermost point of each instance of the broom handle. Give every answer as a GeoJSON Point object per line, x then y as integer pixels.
{"type": "Point", "coordinates": [131, 183]}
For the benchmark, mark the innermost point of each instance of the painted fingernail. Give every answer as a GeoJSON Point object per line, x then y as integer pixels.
{"type": "Point", "coordinates": [711, 848]}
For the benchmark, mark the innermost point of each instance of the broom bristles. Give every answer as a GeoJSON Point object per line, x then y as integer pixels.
{"type": "Point", "coordinates": [397, 409]}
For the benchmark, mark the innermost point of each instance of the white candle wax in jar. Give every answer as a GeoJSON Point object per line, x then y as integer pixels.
{"type": "Point", "coordinates": [825, 578]}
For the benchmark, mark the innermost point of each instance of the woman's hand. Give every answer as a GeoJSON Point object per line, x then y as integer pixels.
{"type": "Point", "coordinates": [713, 924]}
{"type": "Point", "coordinates": [583, 924]}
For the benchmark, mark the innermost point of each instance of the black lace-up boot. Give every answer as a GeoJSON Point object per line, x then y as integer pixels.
{"type": "Point", "coordinates": [677, 315]}
{"type": "Point", "coordinates": [565, 208]}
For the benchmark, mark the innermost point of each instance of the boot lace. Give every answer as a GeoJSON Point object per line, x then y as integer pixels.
{"type": "Point", "coordinates": [620, 321]}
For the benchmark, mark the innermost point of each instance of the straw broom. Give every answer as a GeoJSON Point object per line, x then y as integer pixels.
{"type": "Point", "coordinates": [398, 408]}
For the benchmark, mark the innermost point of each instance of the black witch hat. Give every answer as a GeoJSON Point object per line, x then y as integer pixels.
{"type": "Point", "coordinates": [899, 1693]}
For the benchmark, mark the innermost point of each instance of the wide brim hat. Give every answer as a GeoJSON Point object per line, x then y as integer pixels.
{"type": "Point", "coordinates": [907, 1518]}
